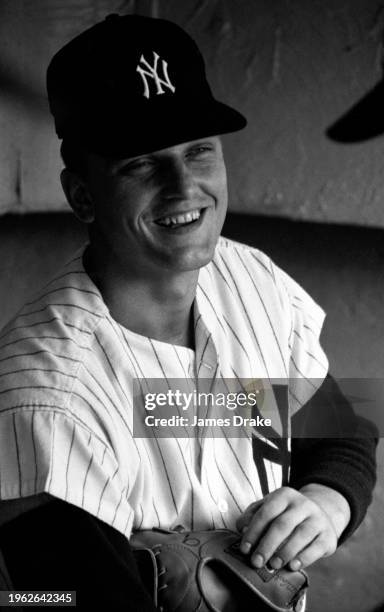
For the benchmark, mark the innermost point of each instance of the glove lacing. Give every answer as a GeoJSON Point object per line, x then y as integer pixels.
{"type": "Point", "coordinates": [161, 570]}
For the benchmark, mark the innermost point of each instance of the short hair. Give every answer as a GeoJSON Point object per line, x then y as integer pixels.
{"type": "Point", "coordinates": [74, 156]}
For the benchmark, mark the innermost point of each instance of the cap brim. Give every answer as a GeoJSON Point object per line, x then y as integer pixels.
{"type": "Point", "coordinates": [123, 137]}
{"type": "Point", "coordinates": [363, 121]}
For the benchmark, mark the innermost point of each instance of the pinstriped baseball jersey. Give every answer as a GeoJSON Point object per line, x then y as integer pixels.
{"type": "Point", "coordinates": [66, 373]}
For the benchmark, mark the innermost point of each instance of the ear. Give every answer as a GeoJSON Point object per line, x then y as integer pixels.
{"type": "Point", "coordinates": [78, 196]}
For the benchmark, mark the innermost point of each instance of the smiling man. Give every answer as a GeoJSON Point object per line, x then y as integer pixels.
{"type": "Point", "coordinates": [156, 294]}
{"type": "Point", "coordinates": [154, 222]}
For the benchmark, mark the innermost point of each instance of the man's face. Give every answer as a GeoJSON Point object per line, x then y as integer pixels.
{"type": "Point", "coordinates": [161, 210]}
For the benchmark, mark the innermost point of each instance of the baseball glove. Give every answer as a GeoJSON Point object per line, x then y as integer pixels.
{"type": "Point", "coordinates": [201, 571]}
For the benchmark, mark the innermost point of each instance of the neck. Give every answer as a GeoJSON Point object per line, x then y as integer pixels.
{"type": "Point", "coordinates": [157, 305]}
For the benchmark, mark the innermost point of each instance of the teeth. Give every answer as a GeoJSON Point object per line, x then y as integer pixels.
{"type": "Point", "coordinates": [180, 219]}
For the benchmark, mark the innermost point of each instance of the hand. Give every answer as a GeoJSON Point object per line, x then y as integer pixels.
{"type": "Point", "coordinates": [294, 528]}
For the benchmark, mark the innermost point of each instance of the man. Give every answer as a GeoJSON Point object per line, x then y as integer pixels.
{"type": "Point", "coordinates": [155, 295]}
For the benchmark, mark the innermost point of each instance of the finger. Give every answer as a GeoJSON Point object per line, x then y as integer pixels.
{"type": "Point", "coordinates": [322, 546]}
{"type": "Point", "coordinates": [299, 539]}
{"type": "Point", "coordinates": [245, 518]}
{"type": "Point", "coordinates": [266, 513]}
{"type": "Point", "coordinates": [278, 532]}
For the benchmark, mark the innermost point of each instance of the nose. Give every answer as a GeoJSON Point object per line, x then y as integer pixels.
{"type": "Point", "coordinates": [179, 182]}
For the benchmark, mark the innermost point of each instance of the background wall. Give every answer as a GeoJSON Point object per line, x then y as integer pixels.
{"type": "Point", "coordinates": [292, 66]}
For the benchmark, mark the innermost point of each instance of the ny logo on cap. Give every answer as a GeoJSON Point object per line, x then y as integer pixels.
{"type": "Point", "coordinates": [151, 72]}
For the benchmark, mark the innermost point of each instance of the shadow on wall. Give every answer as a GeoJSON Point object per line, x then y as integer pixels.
{"type": "Point", "coordinates": [341, 267]}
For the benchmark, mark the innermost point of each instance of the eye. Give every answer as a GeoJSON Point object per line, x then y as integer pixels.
{"type": "Point", "coordinates": [201, 152]}
{"type": "Point", "coordinates": [137, 167]}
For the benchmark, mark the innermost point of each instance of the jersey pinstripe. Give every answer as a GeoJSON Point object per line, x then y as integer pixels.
{"type": "Point", "coordinates": [66, 405]}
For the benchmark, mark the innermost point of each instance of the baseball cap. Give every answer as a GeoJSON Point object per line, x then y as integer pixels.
{"type": "Point", "coordinates": [364, 120]}
{"type": "Point", "coordinates": [130, 85]}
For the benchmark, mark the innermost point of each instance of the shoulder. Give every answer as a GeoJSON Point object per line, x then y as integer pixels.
{"type": "Point", "coordinates": [231, 250]}
{"type": "Point", "coordinates": [256, 267]}
{"type": "Point", "coordinates": [244, 266]}
{"type": "Point", "coordinates": [250, 269]}
{"type": "Point", "coordinates": [42, 348]}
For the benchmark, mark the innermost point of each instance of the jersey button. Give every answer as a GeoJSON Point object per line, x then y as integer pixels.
{"type": "Point", "coordinates": [222, 505]}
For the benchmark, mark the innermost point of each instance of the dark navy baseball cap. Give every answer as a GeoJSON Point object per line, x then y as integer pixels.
{"type": "Point", "coordinates": [363, 121]}
{"type": "Point", "coordinates": [130, 85]}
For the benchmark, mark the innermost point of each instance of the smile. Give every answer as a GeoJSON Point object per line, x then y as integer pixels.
{"type": "Point", "coordinates": [181, 219]}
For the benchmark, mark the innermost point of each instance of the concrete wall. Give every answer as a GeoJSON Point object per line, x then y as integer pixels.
{"type": "Point", "coordinates": [292, 66]}
{"type": "Point", "coordinates": [342, 267]}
